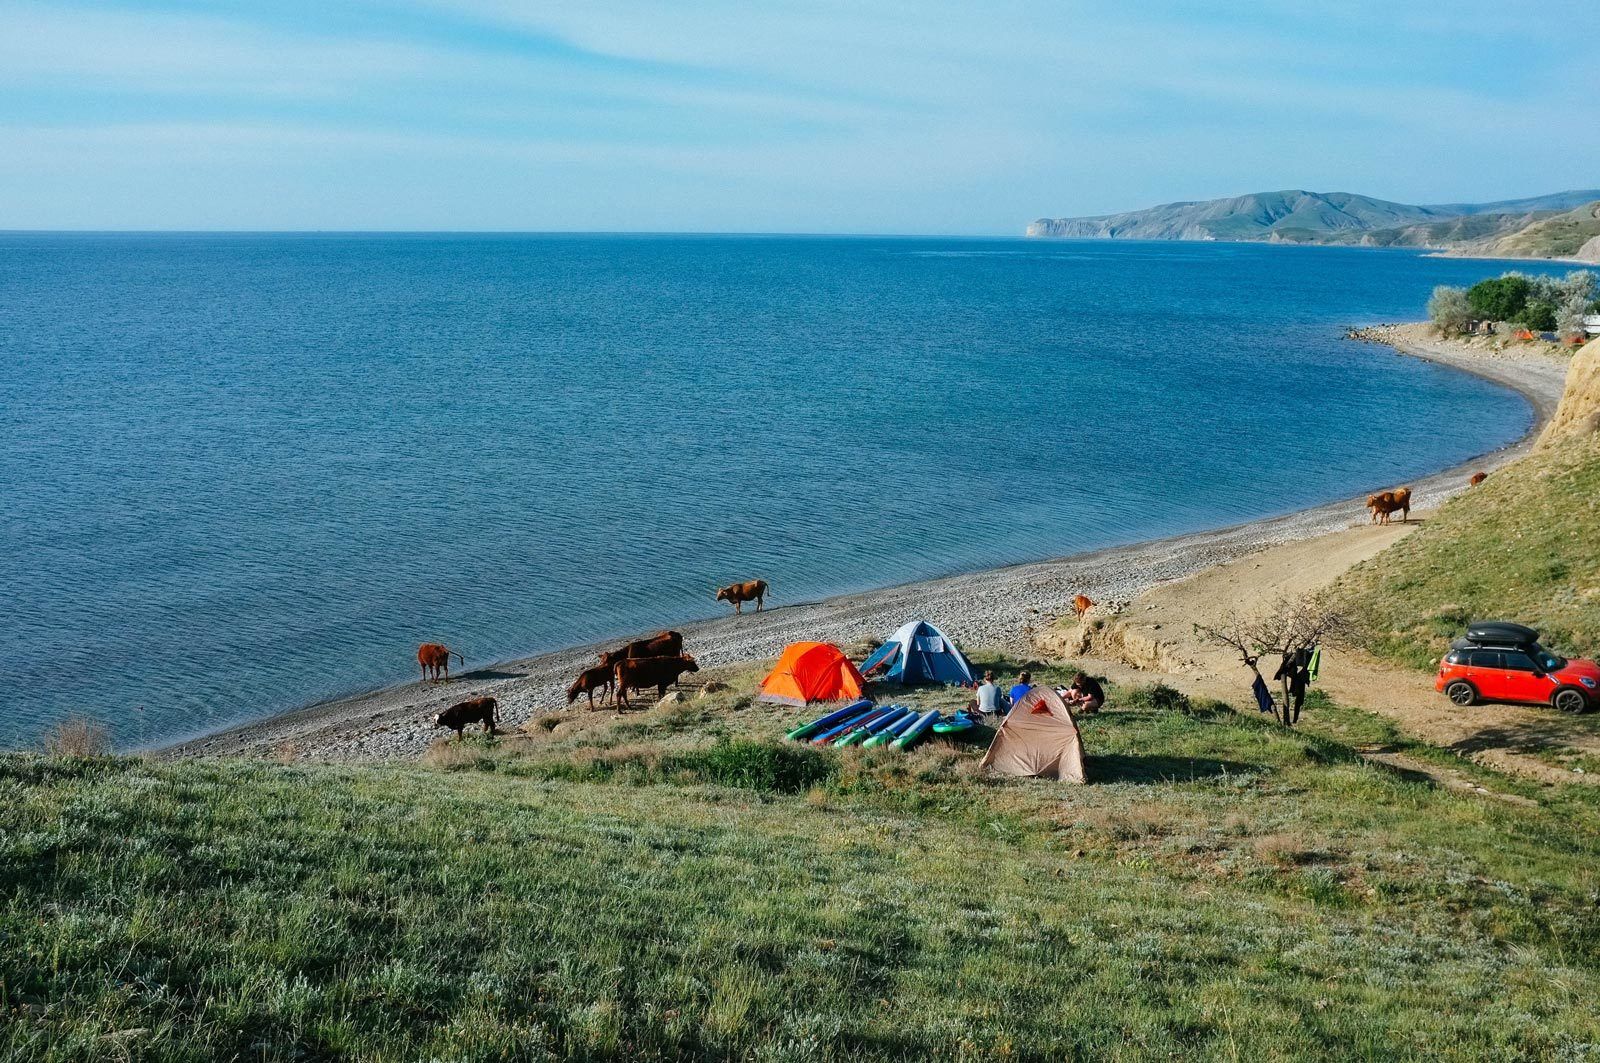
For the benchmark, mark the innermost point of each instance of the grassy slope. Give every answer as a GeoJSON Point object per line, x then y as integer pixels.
{"type": "Point", "coordinates": [1555, 237]}
{"type": "Point", "coordinates": [1224, 889]}
{"type": "Point", "coordinates": [1524, 545]}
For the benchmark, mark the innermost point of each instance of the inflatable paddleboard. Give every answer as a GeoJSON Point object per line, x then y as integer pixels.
{"type": "Point", "coordinates": [839, 729]}
{"type": "Point", "coordinates": [872, 727]}
{"type": "Point", "coordinates": [955, 725]}
{"type": "Point", "coordinates": [806, 730]}
{"type": "Point", "coordinates": [891, 732]}
{"type": "Point", "coordinates": [910, 735]}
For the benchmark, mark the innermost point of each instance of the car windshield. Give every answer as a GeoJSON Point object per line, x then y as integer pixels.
{"type": "Point", "coordinates": [1546, 660]}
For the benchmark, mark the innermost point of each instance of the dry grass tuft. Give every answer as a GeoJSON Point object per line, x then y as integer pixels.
{"type": "Point", "coordinates": [77, 737]}
{"type": "Point", "coordinates": [1286, 849]}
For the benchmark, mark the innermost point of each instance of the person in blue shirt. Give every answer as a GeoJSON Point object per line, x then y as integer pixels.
{"type": "Point", "coordinates": [1020, 689]}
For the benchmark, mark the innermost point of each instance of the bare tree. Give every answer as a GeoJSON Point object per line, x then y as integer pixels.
{"type": "Point", "coordinates": [1292, 626]}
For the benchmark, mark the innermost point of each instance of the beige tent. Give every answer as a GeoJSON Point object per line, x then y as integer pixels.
{"type": "Point", "coordinates": [1039, 738]}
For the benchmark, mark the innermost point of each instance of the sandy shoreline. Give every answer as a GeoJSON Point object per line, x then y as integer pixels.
{"type": "Point", "coordinates": [989, 608]}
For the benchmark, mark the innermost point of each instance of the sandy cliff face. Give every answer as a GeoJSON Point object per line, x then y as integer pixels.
{"type": "Point", "coordinates": [1579, 412]}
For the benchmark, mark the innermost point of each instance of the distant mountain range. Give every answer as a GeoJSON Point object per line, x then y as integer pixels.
{"type": "Point", "coordinates": [1537, 227]}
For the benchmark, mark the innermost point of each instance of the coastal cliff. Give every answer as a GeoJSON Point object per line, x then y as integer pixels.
{"type": "Point", "coordinates": [1556, 225]}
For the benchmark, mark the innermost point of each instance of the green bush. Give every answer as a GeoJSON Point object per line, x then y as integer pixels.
{"type": "Point", "coordinates": [1450, 310]}
{"type": "Point", "coordinates": [1158, 697]}
{"type": "Point", "coordinates": [767, 766]}
{"type": "Point", "coordinates": [1500, 298]}
{"type": "Point", "coordinates": [1538, 314]}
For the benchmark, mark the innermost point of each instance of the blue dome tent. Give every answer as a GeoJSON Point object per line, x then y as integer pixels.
{"type": "Point", "coordinates": [919, 653]}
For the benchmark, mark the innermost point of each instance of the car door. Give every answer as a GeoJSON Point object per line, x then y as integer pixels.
{"type": "Point", "coordinates": [1485, 674]}
{"type": "Point", "coordinates": [1522, 679]}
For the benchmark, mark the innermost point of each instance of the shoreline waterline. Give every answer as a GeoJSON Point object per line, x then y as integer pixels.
{"type": "Point", "coordinates": [988, 608]}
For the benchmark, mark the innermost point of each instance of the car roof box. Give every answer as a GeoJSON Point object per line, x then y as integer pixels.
{"type": "Point", "coordinates": [1501, 632]}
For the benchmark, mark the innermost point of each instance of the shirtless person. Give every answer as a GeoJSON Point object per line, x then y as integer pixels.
{"type": "Point", "coordinates": [1085, 695]}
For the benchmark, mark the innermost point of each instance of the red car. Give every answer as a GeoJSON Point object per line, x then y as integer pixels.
{"type": "Point", "coordinates": [1504, 662]}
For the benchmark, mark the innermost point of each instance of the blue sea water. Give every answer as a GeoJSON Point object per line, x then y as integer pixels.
{"type": "Point", "coordinates": [240, 473]}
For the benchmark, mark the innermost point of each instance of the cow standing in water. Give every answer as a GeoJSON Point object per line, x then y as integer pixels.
{"type": "Point", "coordinates": [435, 660]}
{"type": "Point", "coordinates": [738, 593]}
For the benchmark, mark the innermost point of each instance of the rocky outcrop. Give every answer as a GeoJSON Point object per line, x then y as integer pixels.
{"type": "Point", "coordinates": [1114, 638]}
{"type": "Point", "coordinates": [1579, 411]}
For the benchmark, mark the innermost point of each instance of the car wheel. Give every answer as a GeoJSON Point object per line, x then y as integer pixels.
{"type": "Point", "coordinates": [1570, 699]}
{"type": "Point", "coordinates": [1461, 692]}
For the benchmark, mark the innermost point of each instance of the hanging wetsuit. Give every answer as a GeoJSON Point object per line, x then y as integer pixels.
{"type": "Point", "coordinates": [1299, 677]}
{"type": "Point", "coordinates": [1263, 695]}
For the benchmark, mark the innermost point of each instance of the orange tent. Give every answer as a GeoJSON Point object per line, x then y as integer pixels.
{"type": "Point", "coordinates": [812, 671]}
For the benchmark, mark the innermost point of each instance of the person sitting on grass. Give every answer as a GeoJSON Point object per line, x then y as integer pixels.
{"type": "Point", "coordinates": [987, 701]}
{"type": "Point", "coordinates": [1085, 694]}
{"type": "Point", "coordinates": [1020, 689]}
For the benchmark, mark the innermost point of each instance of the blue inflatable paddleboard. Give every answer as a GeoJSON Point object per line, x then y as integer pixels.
{"type": "Point", "coordinates": [872, 727]}
{"type": "Point", "coordinates": [837, 716]}
{"type": "Point", "coordinates": [871, 713]}
{"type": "Point", "coordinates": [892, 731]}
{"type": "Point", "coordinates": [910, 735]}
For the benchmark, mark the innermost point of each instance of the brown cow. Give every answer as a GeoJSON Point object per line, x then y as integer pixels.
{"type": "Point", "coordinates": [737, 594]}
{"type": "Point", "coordinates": [474, 710]}
{"type": "Point", "coordinates": [601, 677]}
{"type": "Point", "coordinates": [1385, 504]}
{"type": "Point", "coordinates": [435, 658]}
{"type": "Point", "coordinates": [1477, 478]}
{"type": "Point", "coordinates": [660, 672]}
{"type": "Point", "coordinates": [664, 644]}
{"type": "Point", "coordinates": [1082, 604]}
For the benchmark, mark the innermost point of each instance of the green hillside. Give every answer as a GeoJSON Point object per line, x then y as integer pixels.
{"type": "Point", "coordinates": [1524, 545]}
{"type": "Point", "coordinates": [1561, 236]}
{"type": "Point", "coordinates": [676, 885]}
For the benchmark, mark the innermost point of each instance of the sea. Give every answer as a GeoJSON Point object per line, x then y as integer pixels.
{"type": "Point", "coordinates": [242, 473]}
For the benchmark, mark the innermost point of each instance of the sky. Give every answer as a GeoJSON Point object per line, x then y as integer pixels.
{"type": "Point", "coordinates": [827, 116]}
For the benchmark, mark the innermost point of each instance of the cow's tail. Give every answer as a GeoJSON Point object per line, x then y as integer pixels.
{"type": "Point", "coordinates": [460, 658]}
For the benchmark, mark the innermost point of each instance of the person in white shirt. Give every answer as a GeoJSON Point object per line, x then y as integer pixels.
{"type": "Point", "coordinates": [989, 701]}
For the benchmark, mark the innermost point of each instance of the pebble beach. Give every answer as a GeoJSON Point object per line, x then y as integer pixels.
{"type": "Point", "coordinates": [992, 609]}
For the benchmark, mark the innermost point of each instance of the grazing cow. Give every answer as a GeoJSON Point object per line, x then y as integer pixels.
{"type": "Point", "coordinates": [435, 659]}
{"type": "Point", "coordinates": [1385, 504]}
{"type": "Point", "coordinates": [601, 677]}
{"type": "Point", "coordinates": [1082, 604]}
{"type": "Point", "coordinates": [1477, 478]}
{"type": "Point", "coordinates": [738, 593]}
{"type": "Point", "coordinates": [665, 644]}
{"type": "Point", "coordinates": [474, 710]}
{"type": "Point", "coordinates": [640, 672]}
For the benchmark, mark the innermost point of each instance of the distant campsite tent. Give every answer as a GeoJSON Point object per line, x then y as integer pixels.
{"type": "Point", "coordinates": [1038, 738]}
{"type": "Point", "coordinates": [920, 653]}
{"type": "Point", "coordinates": [812, 671]}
